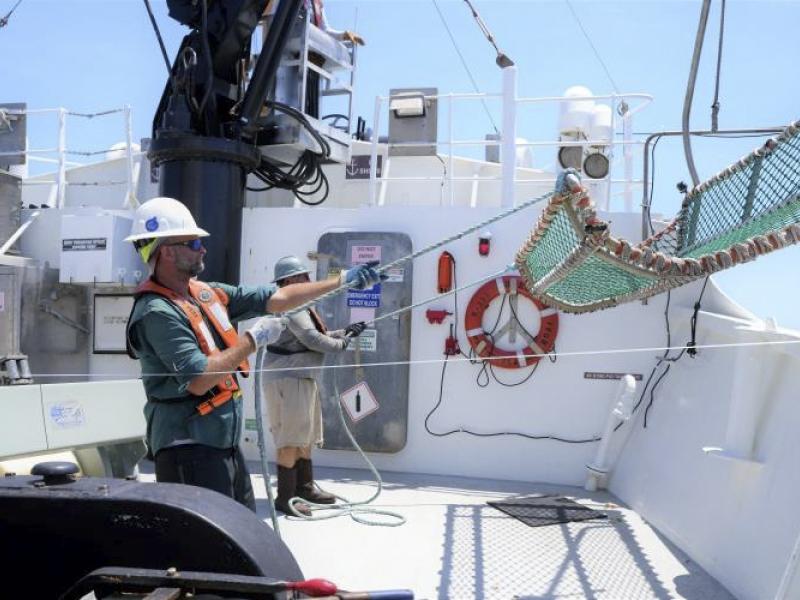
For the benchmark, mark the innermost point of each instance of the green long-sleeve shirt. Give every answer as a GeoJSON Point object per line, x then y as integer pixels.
{"type": "Point", "coordinates": [170, 358]}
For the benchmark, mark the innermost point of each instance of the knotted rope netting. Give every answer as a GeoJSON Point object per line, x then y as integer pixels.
{"type": "Point", "coordinates": [571, 260]}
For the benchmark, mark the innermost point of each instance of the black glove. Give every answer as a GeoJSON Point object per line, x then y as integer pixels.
{"type": "Point", "coordinates": [355, 329]}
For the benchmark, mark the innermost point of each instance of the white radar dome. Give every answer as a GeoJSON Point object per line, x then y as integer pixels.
{"type": "Point", "coordinates": [600, 129]}
{"type": "Point", "coordinates": [119, 149]}
{"type": "Point", "coordinates": [575, 115]}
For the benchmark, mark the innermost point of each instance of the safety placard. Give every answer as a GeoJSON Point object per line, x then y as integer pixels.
{"type": "Point", "coordinates": [603, 375]}
{"type": "Point", "coordinates": [110, 322]}
{"type": "Point", "coordinates": [83, 244]}
{"type": "Point", "coordinates": [359, 401]}
{"type": "Point", "coordinates": [366, 342]}
{"type": "Point", "coordinates": [370, 298]}
{"type": "Point", "coordinates": [395, 275]}
{"type": "Point", "coordinates": [364, 253]}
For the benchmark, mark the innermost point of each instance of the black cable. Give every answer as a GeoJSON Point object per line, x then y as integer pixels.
{"type": "Point", "coordinates": [207, 52]}
{"type": "Point", "coordinates": [305, 178]}
{"type": "Point", "coordinates": [160, 42]}
{"type": "Point", "coordinates": [691, 345]}
{"type": "Point", "coordinates": [494, 434]}
{"type": "Point", "coordinates": [688, 349]}
{"type": "Point", "coordinates": [652, 184]}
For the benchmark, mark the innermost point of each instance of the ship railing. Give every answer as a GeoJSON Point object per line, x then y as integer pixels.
{"type": "Point", "coordinates": [62, 152]}
{"type": "Point", "coordinates": [621, 111]}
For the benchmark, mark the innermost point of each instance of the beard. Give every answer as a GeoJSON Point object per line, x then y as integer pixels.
{"type": "Point", "coordinates": [190, 267]}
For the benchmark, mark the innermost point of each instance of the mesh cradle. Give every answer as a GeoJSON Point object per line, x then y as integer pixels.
{"type": "Point", "coordinates": [572, 262]}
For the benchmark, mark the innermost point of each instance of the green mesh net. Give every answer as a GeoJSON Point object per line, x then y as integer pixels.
{"type": "Point", "coordinates": [751, 208]}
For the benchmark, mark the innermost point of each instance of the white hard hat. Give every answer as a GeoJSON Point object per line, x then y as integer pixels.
{"type": "Point", "coordinates": [163, 217]}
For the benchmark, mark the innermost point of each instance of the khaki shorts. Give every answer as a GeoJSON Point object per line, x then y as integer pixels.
{"type": "Point", "coordinates": [294, 412]}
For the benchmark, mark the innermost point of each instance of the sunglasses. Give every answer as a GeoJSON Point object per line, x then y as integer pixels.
{"type": "Point", "coordinates": [193, 245]}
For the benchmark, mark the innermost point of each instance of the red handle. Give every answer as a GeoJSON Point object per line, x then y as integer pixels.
{"type": "Point", "coordinates": [313, 587]}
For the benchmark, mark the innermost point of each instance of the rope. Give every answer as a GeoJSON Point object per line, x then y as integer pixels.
{"type": "Point", "coordinates": [594, 49]}
{"type": "Point", "coordinates": [466, 68]}
{"type": "Point", "coordinates": [430, 361]}
{"type": "Point", "coordinates": [502, 60]}
{"type": "Point", "coordinates": [355, 510]}
{"type": "Point", "coordinates": [4, 20]}
{"type": "Point", "coordinates": [262, 439]}
{"type": "Point", "coordinates": [439, 296]}
{"type": "Point", "coordinates": [97, 114]}
{"type": "Point", "coordinates": [425, 250]}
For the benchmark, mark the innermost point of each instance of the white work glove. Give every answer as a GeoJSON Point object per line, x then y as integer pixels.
{"type": "Point", "coordinates": [363, 276]}
{"type": "Point", "coordinates": [266, 330]}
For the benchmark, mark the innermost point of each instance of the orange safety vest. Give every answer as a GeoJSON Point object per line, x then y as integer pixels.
{"type": "Point", "coordinates": [213, 302]}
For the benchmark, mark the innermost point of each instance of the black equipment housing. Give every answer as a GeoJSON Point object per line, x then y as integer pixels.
{"type": "Point", "coordinates": [56, 530]}
{"type": "Point", "coordinates": [205, 127]}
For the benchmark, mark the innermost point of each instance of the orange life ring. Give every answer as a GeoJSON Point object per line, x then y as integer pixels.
{"type": "Point", "coordinates": [482, 344]}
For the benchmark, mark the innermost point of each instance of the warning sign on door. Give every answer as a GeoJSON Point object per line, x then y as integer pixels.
{"type": "Point", "coordinates": [366, 342]}
{"type": "Point", "coordinates": [364, 253]}
{"type": "Point", "coordinates": [359, 401]}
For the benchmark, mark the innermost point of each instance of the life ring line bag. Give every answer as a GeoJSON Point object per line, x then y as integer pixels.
{"type": "Point", "coordinates": [482, 344]}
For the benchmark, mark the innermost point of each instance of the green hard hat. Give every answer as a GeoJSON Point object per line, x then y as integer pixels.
{"type": "Point", "coordinates": [288, 266]}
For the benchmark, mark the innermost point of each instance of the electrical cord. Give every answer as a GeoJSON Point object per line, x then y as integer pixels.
{"type": "Point", "coordinates": [482, 379]}
{"type": "Point", "coordinates": [305, 179]}
{"type": "Point", "coordinates": [492, 434]}
{"type": "Point", "coordinates": [160, 41]}
{"type": "Point", "coordinates": [207, 52]}
{"type": "Point", "coordinates": [652, 184]}
{"type": "Point", "coordinates": [690, 348]}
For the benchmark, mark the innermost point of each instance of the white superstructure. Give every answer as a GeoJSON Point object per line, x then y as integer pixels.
{"type": "Point", "coordinates": [713, 470]}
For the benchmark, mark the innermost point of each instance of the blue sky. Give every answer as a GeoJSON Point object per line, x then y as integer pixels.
{"type": "Point", "coordinates": [89, 55]}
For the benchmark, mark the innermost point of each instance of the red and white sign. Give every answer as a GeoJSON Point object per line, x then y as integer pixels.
{"type": "Point", "coordinates": [363, 254]}
{"type": "Point", "coordinates": [359, 401]}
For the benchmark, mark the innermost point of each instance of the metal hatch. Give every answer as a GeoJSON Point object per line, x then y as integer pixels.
{"type": "Point", "coordinates": [376, 397]}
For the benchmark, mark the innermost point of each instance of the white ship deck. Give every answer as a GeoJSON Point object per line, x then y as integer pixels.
{"type": "Point", "coordinates": [456, 546]}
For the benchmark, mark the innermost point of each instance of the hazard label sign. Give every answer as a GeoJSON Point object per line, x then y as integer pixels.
{"type": "Point", "coordinates": [359, 401]}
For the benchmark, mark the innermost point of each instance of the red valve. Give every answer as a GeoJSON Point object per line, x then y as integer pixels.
{"type": "Point", "coordinates": [451, 347]}
{"type": "Point", "coordinates": [436, 316]}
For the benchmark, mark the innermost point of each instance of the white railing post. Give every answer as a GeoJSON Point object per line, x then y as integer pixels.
{"type": "Point", "coordinates": [61, 176]}
{"type": "Point", "coordinates": [373, 160]}
{"type": "Point", "coordinates": [509, 146]}
{"type": "Point", "coordinates": [130, 193]}
{"type": "Point", "coordinates": [627, 152]}
{"type": "Point", "coordinates": [450, 149]}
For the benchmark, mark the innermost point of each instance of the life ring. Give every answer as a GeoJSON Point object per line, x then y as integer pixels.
{"type": "Point", "coordinates": [482, 343]}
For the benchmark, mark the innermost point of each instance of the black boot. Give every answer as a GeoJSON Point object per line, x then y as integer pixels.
{"type": "Point", "coordinates": [305, 484]}
{"type": "Point", "coordinates": [287, 484]}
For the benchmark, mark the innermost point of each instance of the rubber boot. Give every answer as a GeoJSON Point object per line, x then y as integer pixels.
{"type": "Point", "coordinates": [287, 484]}
{"type": "Point", "coordinates": [305, 484]}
